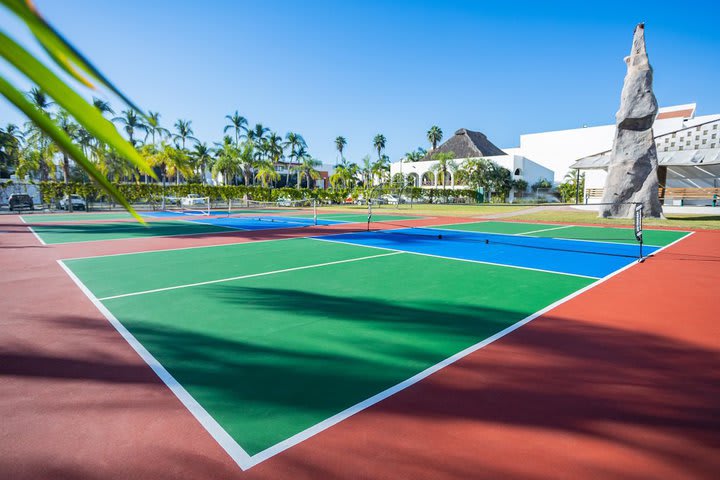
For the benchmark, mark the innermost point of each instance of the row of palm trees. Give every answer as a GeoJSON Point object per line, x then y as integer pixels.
{"type": "Point", "coordinates": [249, 154]}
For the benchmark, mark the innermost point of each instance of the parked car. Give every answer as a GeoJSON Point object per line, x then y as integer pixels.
{"type": "Point", "coordinates": [391, 199]}
{"type": "Point", "coordinates": [20, 201]}
{"type": "Point", "coordinates": [78, 203]}
{"type": "Point", "coordinates": [192, 199]}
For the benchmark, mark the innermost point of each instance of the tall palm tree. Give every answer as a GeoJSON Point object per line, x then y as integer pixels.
{"type": "Point", "coordinates": [103, 106]}
{"type": "Point", "coordinates": [381, 168]}
{"type": "Point", "coordinates": [445, 163]}
{"type": "Point", "coordinates": [202, 157]}
{"type": "Point", "coordinates": [184, 133]}
{"type": "Point", "coordinates": [295, 142]}
{"type": "Point", "coordinates": [36, 135]}
{"type": "Point", "coordinates": [340, 144]}
{"type": "Point", "coordinates": [11, 139]}
{"type": "Point", "coordinates": [154, 129]}
{"type": "Point", "coordinates": [434, 136]}
{"type": "Point", "coordinates": [71, 129]}
{"type": "Point", "coordinates": [238, 124]}
{"type": "Point", "coordinates": [171, 161]}
{"type": "Point", "coordinates": [257, 134]}
{"type": "Point", "coordinates": [275, 149]}
{"type": "Point", "coordinates": [379, 144]}
{"type": "Point", "coordinates": [365, 170]}
{"type": "Point", "coordinates": [131, 123]}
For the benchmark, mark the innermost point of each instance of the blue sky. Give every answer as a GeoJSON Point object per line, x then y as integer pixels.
{"type": "Point", "coordinates": [357, 68]}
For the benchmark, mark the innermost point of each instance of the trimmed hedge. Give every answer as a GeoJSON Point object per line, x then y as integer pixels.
{"type": "Point", "coordinates": [152, 193]}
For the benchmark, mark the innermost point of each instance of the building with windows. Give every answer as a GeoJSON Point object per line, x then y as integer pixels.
{"type": "Point", "coordinates": [467, 144]}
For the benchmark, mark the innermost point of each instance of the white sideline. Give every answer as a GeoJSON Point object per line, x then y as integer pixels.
{"type": "Point", "coordinates": [546, 230]}
{"type": "Point", "coordinates": [251, 275]}
{"type": "Point", "coordinates": [235, 451]}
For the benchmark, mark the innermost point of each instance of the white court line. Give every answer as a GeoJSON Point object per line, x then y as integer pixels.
{"type": "Point", "coordinates": [42, 242]}
{"type": "Point", "coordinates": [235, 451]}
{"type": "Point", "coordinates": [454, 258]}
{"type": "Point", "coordinates": [546, 229]}
{"type": "Point", "coordinates": [251, 275]}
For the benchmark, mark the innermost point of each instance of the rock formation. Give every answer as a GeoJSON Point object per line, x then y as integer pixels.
{"type": "Point", "coordinates": [632, 173]}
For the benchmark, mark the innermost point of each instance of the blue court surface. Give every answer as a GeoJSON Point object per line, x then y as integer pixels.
{"type": "Point", "coordinates": [570, 257]}
{"type": "Point", "coordinates": [262, 222]}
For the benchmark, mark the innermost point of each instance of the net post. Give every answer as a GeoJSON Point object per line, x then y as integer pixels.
{"type": "Point", "coordinates": [639, 227]}
{"type": "Point", "coordinates": [369, 214]}
{"type": "Point", "coordinates": [314, 211]}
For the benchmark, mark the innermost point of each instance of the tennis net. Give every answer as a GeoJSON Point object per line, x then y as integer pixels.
{"type": "Point", "coordinates": [624, 241]}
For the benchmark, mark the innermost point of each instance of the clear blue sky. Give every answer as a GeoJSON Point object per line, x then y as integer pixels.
{"type": "Point", "coordinates": [357, 68]}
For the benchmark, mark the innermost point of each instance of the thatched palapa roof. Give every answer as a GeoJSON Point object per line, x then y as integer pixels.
{"type": "Point", "coordinates": [467, 144]}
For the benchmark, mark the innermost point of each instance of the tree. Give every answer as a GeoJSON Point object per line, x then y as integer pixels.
{"type": "Point", "coordinates": [11, 139]}
{"type": "Point", "coordinates": [307, 169]}
{"type": "Point", "coordinates": [131, 123]}
{"type": "Point", "coordinates": [257, 134]}
{"type": "Point", "coordinates": [340, 144]}
{"type": "Point", "coordinates": [184, 133]}
{"type": "Point", "coordinates": [154, 129]}
{"type": "Point", "coordinates": [228, 162]}
{"type": "Point", "coordinates": [541, 183]}
{"type": "Point", "coordinates": [266, 173]}
{"type": "Point", "coordinates": [444, 164]}
{"type": "Point", "coordinates": [416, 156]}
{"type": "Point", "coordinates": [379, 143]}
{"type": "Point", "coordinates": [171, 160]}
{"type": "Point", "coordinates": [365, 170]}
{"type": "Point", "coordinates": [571, 189]}
{"type": "Point", "coordinates": [202, 157]}
{"type": "Point", "coordinates": [381, 169]}
{"type": "Point", "coordinates": [297, 145]}
{"type": "Point", "coordinates": [71, 130]}
{"type": "Point", "coordinates": [238, 124]}
{"type": "Point", "coordinates": [274, 148]}
{"type": "Point", "coordinates": [434, 136]}
{"type": "Point", "coordinates": [103, 106]}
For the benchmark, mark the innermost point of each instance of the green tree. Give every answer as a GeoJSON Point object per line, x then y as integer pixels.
{"type": "Point", "coordinates": [153, 128]}
{"type": "Point", "coordinates": [131, 123]}
{"type": "Point", "coordinates": [379, 143]}
{"type": "Point", "coordinates": [11, 141]}
{"type": "Point", "coordinates": [296, 143]}
{"type": "Point", "coordinates": [202, 157]}
{"type": "Point", "coordinates": [571, 190]}
{"type": "Point", "coordinates": [266, 173]}
{"type": "Point", "coordinates": [445, 163]}
{"type": "Point", "coordinates": [340, 143]}
{"type": "Point", "coordinates": [238, 124]}
{"type": "Point", "coordinates": [434, 136]}
{"type": "Point", "coordinates": [184, 132]}
{"type": "Point", "coordinates": [228, 162]}
{"type": "Point", "coordinates": [308, 170]}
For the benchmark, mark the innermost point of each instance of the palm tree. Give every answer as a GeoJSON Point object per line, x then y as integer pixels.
{"type": "Point", "coordinates": [434, 136]}
{"type": "Point", "coordinates": [379, 144]}
{"type": "Point", "coordinates": [154, 128]}
{"type": "Point", "coordinates": [228, 161]}
{"type": "Point", "coordinates": [380, 168]}
{"type": "Point", "coordinates": [184, 133]}
{"type": "Point", "coordinates": [257, 134]}
{"type": "Point", "coordinates": [365, 170]}
{"type": "Point", "coordinates": [103, 106]}
{"type": "Point", "coordinates": [131, 123]}
{"type": "Point", "coordinates": [238, 123]}
{"type": "Point", "coordinates": [266, 173]}
{"type": "Point", "coordinates": [71, 129]}
{"type": "Point", "coordinates": [295, 142]}
{"type": "Point", "coordinates": [171, 161]}
{"type": "Point", "coordinates": [340, 144]}
{"type": "Point", "coordinates": [11, 138]}
{"type": "Point", "coordinates": [307, 168]}
{"type": "Point", "coordinates": [201, 156]}
{"type": "Point", "coordinates": [36, 135]}
{"type": "Point", "coordinates": [444, 164]}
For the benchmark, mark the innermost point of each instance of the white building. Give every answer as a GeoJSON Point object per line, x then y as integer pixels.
{"type": "Point", "coordinates": [559, 150]}
{"type": "Point", "coordinates": [467, 144]}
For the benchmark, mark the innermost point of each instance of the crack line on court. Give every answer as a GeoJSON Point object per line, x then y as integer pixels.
{"type": "Point", "coordinates": [251, 275]}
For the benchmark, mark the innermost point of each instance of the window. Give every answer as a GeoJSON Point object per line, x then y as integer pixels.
{"type": "Point", "coordinates": [697, 137]}
{"type": "Point", "coordinates": [697, 128]}
{"type": "Point", "coordinates": [673, 135]}
{"type": "Point", "coordinates": [704, 141]}
{"type": "Point", "coordinates": [667, 139]}
{"type": "Point", "coordinates": [517, 172]}
{"type": "Point", "coordinates": [681, 147]}
{"type": "Point", "coordinates": [712, 145]}
{"type": "Point", "coordinates": [704, 132]}
{"type": "Point", "coordinates": [715, 126]}
{"type": "Point", "coordinates": [672, 144]}
{"type": "Point", "coordinates": [666, 149]}
{"type": "Point", "coordinates": [687, 143]}
{"type": "Point", "coordinates": [714, 135]}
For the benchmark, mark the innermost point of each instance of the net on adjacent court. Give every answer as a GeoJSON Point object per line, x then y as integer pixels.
{"type": "Point", "coordinates": [624, 241]}
{"type": "Point", "coordinates": [291, 212]}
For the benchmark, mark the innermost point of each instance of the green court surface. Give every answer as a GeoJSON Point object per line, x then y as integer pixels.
{"type": "Point", "coordinates": [87, 232]}
{"type": "Point", "coordinates": [310, 328]}
{"type": "Point", "coordinates": [359, 217]}
{"type": "Point", "coordinates": [658, 238]}
{"type": "Point", "coordinates": [75, 217]}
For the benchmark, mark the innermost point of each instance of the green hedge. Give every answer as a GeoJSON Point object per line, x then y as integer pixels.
{"type": "Point", "coordinates": [152, 193]}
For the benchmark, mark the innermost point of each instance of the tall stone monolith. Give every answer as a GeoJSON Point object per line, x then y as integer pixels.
{"type": "Point", "coordinates": [632, 173]}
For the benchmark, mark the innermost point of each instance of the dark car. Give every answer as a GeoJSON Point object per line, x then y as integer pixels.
{"type": "Point", "coordinates": [20, 201]}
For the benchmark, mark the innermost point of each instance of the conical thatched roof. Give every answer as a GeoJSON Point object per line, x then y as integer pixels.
{"type": "Point", "coordinates": [467, 144]}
